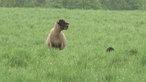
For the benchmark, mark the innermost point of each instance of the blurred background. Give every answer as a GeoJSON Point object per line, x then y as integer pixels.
{"type": "Point", "coordinates": [78, 4]}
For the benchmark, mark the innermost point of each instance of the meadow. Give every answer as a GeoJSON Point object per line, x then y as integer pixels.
{"type": "Point", "coordinates": [24, 57]}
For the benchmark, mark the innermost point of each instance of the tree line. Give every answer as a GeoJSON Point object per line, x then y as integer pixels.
{"type": "Point", "coordinates": [78, 4]}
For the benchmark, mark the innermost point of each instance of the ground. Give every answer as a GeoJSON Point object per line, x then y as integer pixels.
{"type": "Point", "coordinates": [24, 56]}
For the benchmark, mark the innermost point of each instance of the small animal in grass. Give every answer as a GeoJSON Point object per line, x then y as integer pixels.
{"type": "Point", "coordinates": [109, 49]}
{"type": "Point", "coordinates": [56, 38]}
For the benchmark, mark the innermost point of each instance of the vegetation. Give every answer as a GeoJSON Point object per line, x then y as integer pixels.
{"type": "Point", "coordinates": [77, 4]}
{"type": "Point", "coordinates": [24, 56]}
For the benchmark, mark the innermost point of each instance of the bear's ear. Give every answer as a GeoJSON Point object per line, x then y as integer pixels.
{"type": "Point", "coordinates": [61, 22]}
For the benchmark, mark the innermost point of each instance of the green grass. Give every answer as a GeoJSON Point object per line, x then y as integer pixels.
{"type": "Point", "coordinates": [24, 56]}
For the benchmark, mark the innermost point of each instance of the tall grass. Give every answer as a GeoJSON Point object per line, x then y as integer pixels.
{"type": "Point", "coordinates": [24, 56]}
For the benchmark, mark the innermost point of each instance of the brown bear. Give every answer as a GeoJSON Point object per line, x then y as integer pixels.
{"type": "Point", "coordinates": [56, 38]}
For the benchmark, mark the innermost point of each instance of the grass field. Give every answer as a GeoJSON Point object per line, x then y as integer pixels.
{"type": "Point", "coordinates": [24, 56]}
